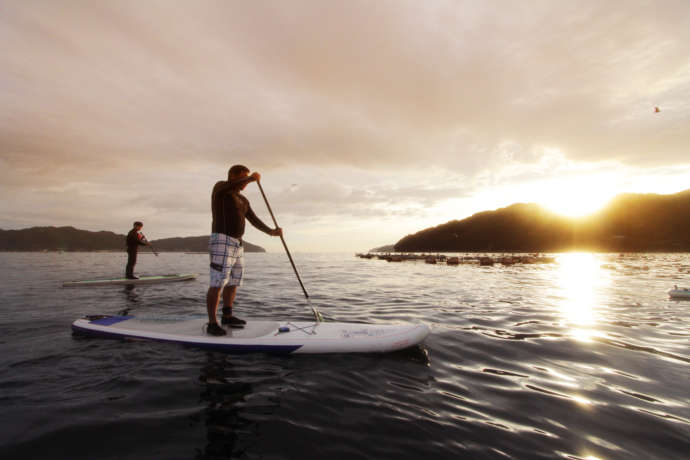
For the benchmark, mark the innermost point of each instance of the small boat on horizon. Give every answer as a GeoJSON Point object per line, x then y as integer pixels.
{"type": "Point", "coordinates": [679, 293]}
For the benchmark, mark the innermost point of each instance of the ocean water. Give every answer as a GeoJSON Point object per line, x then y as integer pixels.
{"type": "Point", "coordinates": [584, 358]}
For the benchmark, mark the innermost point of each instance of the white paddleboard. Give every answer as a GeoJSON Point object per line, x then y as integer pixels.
{"type": "Point", "coordinates": [260, 336]}
{"type": "Point", "coordinates": [142, 280]}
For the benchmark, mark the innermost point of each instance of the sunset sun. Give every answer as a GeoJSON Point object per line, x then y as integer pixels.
{"type": "Point", "coordinates": [576, 202]}
{"type": "Point", "coordinates": [576, 197]}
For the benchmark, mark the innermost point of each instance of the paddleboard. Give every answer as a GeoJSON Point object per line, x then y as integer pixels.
{"type": "Point", "coordinates": [260, 335]}
{"type": "Point", "coordinates": [142, 280]}
{"type": "Point", "coordinates": [679, 293]}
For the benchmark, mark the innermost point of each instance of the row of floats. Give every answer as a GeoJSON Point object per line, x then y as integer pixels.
{"type": "Point", "coordinates": [675, 293]}
{"type": "Point", "coordinates": [457, 260]}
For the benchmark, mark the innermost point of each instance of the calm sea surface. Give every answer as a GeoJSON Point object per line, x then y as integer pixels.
{"type": "Point", "coordinates": [585, 358]}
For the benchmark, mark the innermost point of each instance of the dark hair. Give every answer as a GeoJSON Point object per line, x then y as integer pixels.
{"type": "Point", "coordinates": [237, 169]}
{"type": "Point", "coordinates": [138, 223]}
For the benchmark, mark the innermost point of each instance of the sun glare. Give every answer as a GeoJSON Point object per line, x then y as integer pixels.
{"type": "Point", "coordinates": [580, 277]}
{"type": "Point", "coordinates": [575, 203]}
{"type": "Point", "coordinates": [569, 194]}
{"type": "Point", "coordinates": [577, 197]}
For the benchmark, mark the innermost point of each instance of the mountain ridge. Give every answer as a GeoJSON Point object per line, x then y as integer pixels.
{"type": "Point", "coordinates": [68, 238]}
{"type": "Point", "coordinates": [629, 223]}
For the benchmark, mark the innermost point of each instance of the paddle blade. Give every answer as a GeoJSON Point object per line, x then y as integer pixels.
{"type": "Point", "coordinates": [317, 314]}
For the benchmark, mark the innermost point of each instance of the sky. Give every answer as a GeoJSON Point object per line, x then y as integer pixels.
{"type": "Point", "coordinates": [368, 120]}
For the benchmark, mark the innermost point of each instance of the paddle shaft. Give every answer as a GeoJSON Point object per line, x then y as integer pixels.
{"type": "Point", "coordinates": [150, 245]}
{"type": "Point", "coordinates": [283, 240]}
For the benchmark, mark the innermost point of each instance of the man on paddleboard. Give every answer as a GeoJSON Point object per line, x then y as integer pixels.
{"type": "Point", "coordinates": [230, 209]}
{"type": "Point", "coordinates": [134, 239]}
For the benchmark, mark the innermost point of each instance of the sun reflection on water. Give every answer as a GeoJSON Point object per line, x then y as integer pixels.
{"type": "Point", "coordinates": [580, 279]}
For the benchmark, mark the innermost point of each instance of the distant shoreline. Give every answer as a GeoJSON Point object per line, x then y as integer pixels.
{"type": "Point", "coordinates": [70, 239]}
{"type": "Point", "coordinates": [114, 251]}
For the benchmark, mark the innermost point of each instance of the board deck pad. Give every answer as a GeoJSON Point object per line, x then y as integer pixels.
{"type": "Point", "coordinates": [260, 335]}
{"type": "Point", "coordinates": [142, 280]}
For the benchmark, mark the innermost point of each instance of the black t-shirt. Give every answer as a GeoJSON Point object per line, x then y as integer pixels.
{"type": "Point", "coordinates": [134, 240]}
{"type": "Point", "coordinates": [229, 208]}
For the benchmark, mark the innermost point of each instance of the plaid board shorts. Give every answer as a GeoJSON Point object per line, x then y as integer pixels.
{"type": "Point", "coordinates": [227, 260]}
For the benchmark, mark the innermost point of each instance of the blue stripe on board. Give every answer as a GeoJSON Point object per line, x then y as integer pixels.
{"type": "Point", "coordinates": [227, 347]}
{"type": "Point", "coordinates": [110, 320]}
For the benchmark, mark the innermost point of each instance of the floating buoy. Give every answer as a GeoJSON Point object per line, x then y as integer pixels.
{"type": "Point", "coordinates": [679, 293]}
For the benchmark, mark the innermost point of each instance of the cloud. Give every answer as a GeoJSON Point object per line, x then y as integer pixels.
{"type": "Point", "coordinates": [342, 83]}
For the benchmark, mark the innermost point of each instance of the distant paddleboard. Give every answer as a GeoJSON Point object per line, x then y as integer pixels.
{"type": "Point", "coordinates": [142, 280]}
{"type": "Point", "coordinates": [260, 336]}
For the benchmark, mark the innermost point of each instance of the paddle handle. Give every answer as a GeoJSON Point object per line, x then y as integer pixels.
{"type": "Point", "coordinates": [283, 240]}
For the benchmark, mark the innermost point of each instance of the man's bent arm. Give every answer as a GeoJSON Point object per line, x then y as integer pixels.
{"type": "Point", "coordinates": [256, 222]}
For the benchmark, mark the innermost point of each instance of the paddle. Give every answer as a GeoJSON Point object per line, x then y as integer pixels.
{"type": "Point", "coordinates": [150, 245]}
{"type": "Point", "coordinates": [317, 314]}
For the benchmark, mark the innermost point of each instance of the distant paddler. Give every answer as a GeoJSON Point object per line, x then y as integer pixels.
{"type": "Point", "coordinates": [230, 209]}
{"type": "Point", "coordinates": [135, 239]}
